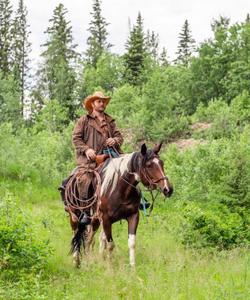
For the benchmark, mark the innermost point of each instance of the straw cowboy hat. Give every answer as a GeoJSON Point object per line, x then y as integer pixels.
{"type": "Point", "coordinates": [97, 95]}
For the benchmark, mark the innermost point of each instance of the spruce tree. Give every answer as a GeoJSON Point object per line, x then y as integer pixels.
{"type": "Point", "coordinates": [21, 50]}
{"type": "Point", "coordinates": [57, 75]}
{"type": "Point", "coordinates": [134, 58]}
{"type": "Point", "coordinates": [97, 41]}
{"type": "Point", "coordinates": [164, 58]}
{"type": "Point", "coordinates": [186, 45]}
{"type": "Point", "coordinates": [152, 44]}
{"type": "Point", "coordinates": [248, 18]}
{"type": "Point", "coordinates": [5, 37]}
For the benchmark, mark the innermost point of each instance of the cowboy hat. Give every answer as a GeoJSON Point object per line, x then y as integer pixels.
{"type": "Point", "coordinates": [97, 95]}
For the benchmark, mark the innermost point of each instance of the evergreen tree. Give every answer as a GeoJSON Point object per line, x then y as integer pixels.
{"type": "Point", "coordinates": [134, 57]}
{"type": "Point", "coordinates": [97, 41]}
{"type": "Point", "coordinates": [57, 75]}
{"type": "Point", "coordinates": [186, 45]}
{"type": "Point", "coordinates": [5, 37]}
{"type": "Point", "coordinates": [152, 44]}
{"type": "Point", "coordinates": [21, 49]}
{"type": "Point", "coordinates": [248, 18]}
{"type": "Point", "coordinates": [164, 58]}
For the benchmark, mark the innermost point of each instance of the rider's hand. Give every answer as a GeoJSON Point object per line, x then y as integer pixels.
{"type": "Point", "coordinates": [110, 142]}
{"type": "Point", "coordinates": [90, 153]}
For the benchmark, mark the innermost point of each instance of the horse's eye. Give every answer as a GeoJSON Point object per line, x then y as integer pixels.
{"type": "Point", "coordinates": [149, 164]}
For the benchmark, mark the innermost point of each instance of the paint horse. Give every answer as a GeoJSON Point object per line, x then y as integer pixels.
{"type": "Point", "coordinates": [120, 199]}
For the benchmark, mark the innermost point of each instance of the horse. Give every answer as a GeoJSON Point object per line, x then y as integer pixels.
{"type": "Point", "coordinates": [118, 198]}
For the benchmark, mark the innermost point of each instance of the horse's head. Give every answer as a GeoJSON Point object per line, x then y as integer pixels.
{"type": "Point", "coordinates": [152, 170]}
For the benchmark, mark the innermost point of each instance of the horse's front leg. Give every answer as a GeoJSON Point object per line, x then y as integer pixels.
{"type": "Point", "coordinates": [107, 228]}
{"type": "Point", "coordinates": [133, 221]}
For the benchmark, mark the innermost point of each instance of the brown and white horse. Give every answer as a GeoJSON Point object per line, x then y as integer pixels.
{"type": "Point", "coordinates": [120, 199]}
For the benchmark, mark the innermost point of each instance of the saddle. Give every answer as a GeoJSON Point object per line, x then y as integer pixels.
{"type": "Point", "coordinates": [100, 159]}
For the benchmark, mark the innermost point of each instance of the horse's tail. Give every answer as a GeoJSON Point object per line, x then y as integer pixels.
{"type": "Point", "coordinates": [78, 241]}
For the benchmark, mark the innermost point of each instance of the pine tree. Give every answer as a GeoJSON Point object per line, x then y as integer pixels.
{"type": "Point", "coordinates": [97, 41]}
{"type": "Point", "coordinates": [21, 50]}
{"type": "Point", "coordinates": [152, 44]}
{"type": "Point", "coordinates": [134, 57]}
{"type": "Point", "coordinates": [57, 75]}
{"type": "Point", "coordinates": [164, 58]}
{"type": "Point", "coordinates": [5, 37]}
{"type": "Point", "coordinates": [186, 45]}
{"type": "Point", "coordinates": [248, 18]}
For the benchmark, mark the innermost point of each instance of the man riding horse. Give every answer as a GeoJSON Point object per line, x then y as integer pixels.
{"type": "Point", "coordinates": [94, 133]}
{"type": "Point", "coordinates": [101, 197]}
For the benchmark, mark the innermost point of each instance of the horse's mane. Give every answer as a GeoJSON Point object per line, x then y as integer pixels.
{"type": "Point", "coordinates": [114, 169]}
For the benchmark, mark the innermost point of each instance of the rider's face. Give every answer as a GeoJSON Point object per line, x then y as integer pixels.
{"type": "Point", "coordinates": [99, 105]}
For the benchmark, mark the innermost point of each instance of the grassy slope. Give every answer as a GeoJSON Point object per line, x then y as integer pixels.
{"type": "Point", "coordinates": [165, 270]}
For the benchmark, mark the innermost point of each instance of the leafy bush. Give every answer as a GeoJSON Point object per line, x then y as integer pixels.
{"type": "Point", "coordinates": [20, 246]}
{"type": "Point", "coordinates": [215, 179]}
{"type": "Point", "coordinates": [213, 226]}
{"type": "Point", "coordinates": [227, 120]}
{"type": "Point", "coordinates": [41, 156]}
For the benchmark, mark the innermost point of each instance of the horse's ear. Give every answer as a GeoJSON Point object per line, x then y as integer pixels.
{"type": "Point", "coordinates": [143, 149]}
{"type": "Point", "coordinates": [157, 148]}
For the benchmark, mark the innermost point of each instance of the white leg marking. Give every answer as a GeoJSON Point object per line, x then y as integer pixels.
{"type": "Point", "coordinates": [131, 245]}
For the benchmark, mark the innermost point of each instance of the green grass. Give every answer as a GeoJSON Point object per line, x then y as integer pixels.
{"type": "Point", "coordinates": [165, 269]}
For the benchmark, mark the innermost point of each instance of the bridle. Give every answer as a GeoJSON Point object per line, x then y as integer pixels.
{"type": "Point", "coordinates": [151, 181]}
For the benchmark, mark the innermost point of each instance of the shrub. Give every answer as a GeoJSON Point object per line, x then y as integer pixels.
{"type": "Point", "coordinates": [40, 156]}
{"type": "Point", "coordinates": [213, 226]}
{"type": "Point", "coordinates": [214, 179]}
{"type": "Point", "coordinates": [20, 246]}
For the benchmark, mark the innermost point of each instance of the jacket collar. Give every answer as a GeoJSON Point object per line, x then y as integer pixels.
{"type": "Point", "coordinates": [109, 119]}
{"type": "Point", "coordinates": [94, 124]}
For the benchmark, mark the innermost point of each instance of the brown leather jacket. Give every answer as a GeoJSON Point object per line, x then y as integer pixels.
{"type": "Point", "coordinates": [88, 134]}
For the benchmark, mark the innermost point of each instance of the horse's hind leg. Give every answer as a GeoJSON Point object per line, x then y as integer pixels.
{"type": "Point", "coordinates": [74, 250]}
{"type": "Point", "coordinates": [89, 243]}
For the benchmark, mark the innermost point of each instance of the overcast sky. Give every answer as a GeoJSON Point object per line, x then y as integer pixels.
{"type": "Point", "coordinates": [165, 17]}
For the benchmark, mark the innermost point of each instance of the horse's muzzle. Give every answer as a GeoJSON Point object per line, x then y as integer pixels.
{"type": "Point", "coordinates": [168, 191]}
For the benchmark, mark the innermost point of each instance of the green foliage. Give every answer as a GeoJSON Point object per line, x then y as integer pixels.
{"type": "Point", "coordinates": [6, 37]}
{"type": "Point", "coordinates": [43, 157]}
{"type": "Point", "coordinates": [21, 50]}
{"type": "Point", "coordinates": [134, 58]}
{"type": "Point", "coordinates": [10, 109]}
{"type": "Point", "coordinates": [216, 177]}
{"type": "Point", "coordinates": [213, 226]}
{"type": "Point", "coordinates": [20, 247]}
{"type": "Point", "coordinates": [52, 117]}
{"type": "Point", "coordinates": [226, 119]}
{"type": "Point", "coordinates": [57, 75]}
{"type": "Point", "coordinates": [164, 103]}
{"type": "Point", "coordinates": [186, 45]}
{"type": "Point", "coordinates": [107, 74]}
{"type": "Point", "coordinates": [97, 41]}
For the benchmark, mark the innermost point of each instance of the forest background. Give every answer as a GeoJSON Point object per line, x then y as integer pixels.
{"type": "Point", "coordinates": [198, 104]}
